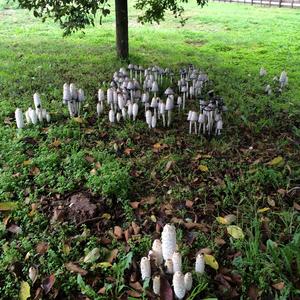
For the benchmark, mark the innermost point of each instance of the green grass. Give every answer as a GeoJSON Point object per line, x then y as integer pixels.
{"type": "Point", "coordinates": [229, 41]}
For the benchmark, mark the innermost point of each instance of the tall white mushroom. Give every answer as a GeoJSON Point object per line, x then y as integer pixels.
{"type": "Point", "coordinates": [154, 88]}
{"type": "Point", "coordinates": [169, 108]}
{"type": "Point", "coordinates": [193, 121]}
{"type": "Point", "coordinates": [154, 121]}
{"type": "Point", "coordinates": [80, 99]}
{"type": "Point", "coordinates": [188, 281]}
{"type": "Point", "coordinates": [179, 102]}
{"type": "Point", "coordinates": [111, 116]}
{"type": "Point", "coordinates": [219, 126]}
{"type": "Point", "coordinates": [262, 72]}
{"type": "Point", "coordinates": [154, 105]}
{"type": "Point", "coordinates": [283, 79]}
{"type": "Point", "coordinates": [145, 268]}
{"type": "Point", "coordinates": [200, 264]}
{"type": "Point", "coordinates": [177, 262]}
{"type": "Point", "coordinates": [66, 93]}
{"type": "Point", "coordinates": [156, 285]}
{"type": "Point", "coordinates": [168, 237]}
{"type": "Point", "coordinates": [157, 250]}
{"type": "Point", "coordinates": [37, 101]}
{"type": "Point", "coordinates": [201, 121]}
{"type": "Point", "coordinates": [19, 118]}
{"type": "Point", "coordinates": [149, 118]}
{"type": "Point", "coordinates": [33, 116]}
{"type": "Point", "coordinates": [135, 110]}
{"type": "Point", "coordinates": [162, 112]}
{"type": "Point", "coordinates": [178, 284]}
{"type": "Point", "coordinates": [27, 116]}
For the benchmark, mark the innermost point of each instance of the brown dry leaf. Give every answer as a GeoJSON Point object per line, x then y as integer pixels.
{"type": "Point", "coordinates": [219, 241]}
{"type": "Point", "coordinates": [128, 151]}
{"type": "Point", "coordinates": [271, 202]}
{"type": "Point", "coordinates": [102, 291]}
{"type": "Point", "coordinates": [42, 247]}
{"type": "Point", "coordinates": [112, 255]}
{"type": "Point", "coordinates": [56, 143]}
{"type": "Point", "coordinates": [89, 158]}
{"type": "Point", "coordinates": [118, 232]}
{"type": "Point", "coordinates": [35, 171]}
{"type": "Point", "coordinates": [136, 286]}
{"type": "Point", "coordinates": [278, 286]}
{"type": "Point", "coordinates": [134, 204]}
{"type": "Point", "coordinates": [135, 227]}
{"type": "Point", "coordinates": [296, 206]}
{"type": "Point", "coordinates": [169, 165]}
{"type": "Point", "coordinates": [176, 220]}
{"type": "Point", "coordinates": [72, 267]}
{"type": "Point", "coordinates": [134, 294]}
{"type": "Point", "coordinates": [48, 283]}
{"type": "Point", "coordinates": [189, 203]}
{"type": "Point", "coordinates": [13, 228]}
{"type": "Point", "coordinates": [148, 200]}
{"type": "Point", "coordinates": [89, 130]}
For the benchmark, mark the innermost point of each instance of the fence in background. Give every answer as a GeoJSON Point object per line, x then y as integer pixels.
{"type": "Point", "coordinates": [279, 3]}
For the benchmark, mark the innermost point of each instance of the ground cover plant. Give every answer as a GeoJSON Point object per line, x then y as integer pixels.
{"type": "Point", "coordinates": [68, 231]}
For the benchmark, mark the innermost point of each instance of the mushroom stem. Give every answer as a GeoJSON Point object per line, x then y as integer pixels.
{"type": "Point", "coordinates": [164, 119]}
{"type": "Point", "coordinates": [190, 130]}
{"type": "Point", "coordinates": [169, 117]}
{"type": "Point", "coordinates": [183, 102]}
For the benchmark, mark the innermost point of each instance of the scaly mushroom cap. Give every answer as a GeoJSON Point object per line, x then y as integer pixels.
{"type": "Point", "coordinates": [111, 116]}
{"type": "Point", "coordinates": [194, 116]}
{"type": "Point", "coordinates": [135, 109]}
{"type": "Point", "coordinates": [145, 97]}
{"type": "Point", "coordinates": [154, 103]}
{"type": "Point", "coordinates": [162, 107]}
{"type": "Point", "coordinates": [81, 95]}
{"type": "Point", "coordinates": [200, 264]}
{"type": "Point", "coordinates": [177, 262]}
{"type": "Point", "coordinates": [178, 284]}
{"type": "Point", "coordinates": [168, 237]}
{"type": "Point", "coordinates": [37, 100]}
{"type": "Point", "coordinates": [153, 121]}
{"type": "Point", "coordinates": [169, 266]}
{"type": "Point", "coordinates": [156, 285]}
{"type": "Point", "coordinates": [130, 85]}
{"type": "Point", "coordinates": [121, 102]}
{"type": "Point", "coordinates": [149, 117]}
{"type": "Point", "coordinates": [145, 268]}
{"type": "Point", "coordinates": [66, 93]}
{"type": "Point", "coordinates": [169, 91]}
{"type": "Point", "coordinates": [110, 95]}
{"type": "Point", "coordinates": [170, 103]}
{"type": "Point", "coordinates": [157, 250]}
{"type": "Point", "coordinates": [33, 116]}
{"type": "Point", "coordinates": [73, 91]}
{"type": "Point", "coordinates": [189, 115]}
{"type": "Point", "coordinates": [188, 281]}
{"type": "Point", "coordinates": [154, 88]}
{"type": "Point", "coordinates": [130, 66]}
{"type": "Point", "coordinates": [19, 118]}
{"type": "Point", "coordinates": [179, 100]}
{"type": "Point", "coordinates": [101, 95]}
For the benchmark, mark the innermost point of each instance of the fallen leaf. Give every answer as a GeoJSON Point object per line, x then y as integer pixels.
{"type": "Point", "coordinates": [70, 266]}
{"type": "Point", "coordinates": [106, 216]}
{"type": "Point", "coordinates": [278, 286]}
{"type": "Point", "coordinates": [104, 264]}
{"type": "Point", "coordinates": [13, 228]}
{"type": "Point", "coordinates": [261, 210]}
{"type": "Point", "coordinates": [227, 220]}
{"type": "Point", "coordinates": [296, 206]}
{"type": "Point", "coordinates": [128, 151]}
{"type": "Point", "coordinates": [275, 161]}
{"type": "Point", "coordinates": [134, 204]}
{"type": "Point", "coordinates": [42, 247]}
{"type": "Point", "coordinates": [27, 162]}
{"type": "Point", "coordinates": [35, 171]}
{"type": "Point", "coordinates": [56, 143]}
{"type": "Point", "coordinates": [78, 120]}
{"type": "Point", "coordinates": [134, 294]}
{"type": "Point", "coordinates": [24, 293]}
{"type": "Point", "coordinates": [153, 218]}
{"type": "Point", "coordinates": [135, 227]}
{"type": "Point", "coordinates": [8, 206]}
{"type": "Point", "coordinates": [112, 255]}
{"type": "Point", "coordinates": [219, 241]}
{"type": "Point", "coordinates": [189, 203]}
{"type": "Point", "coordinates": [118, 232]}
{"type": "Point", "coordinates": [211, 261]}
{"type": "Point", "coordinates": [89, 130]}
{"type": "Point", "coordinates": [235, 231]}
{"type": "Point", "coordinates": [92, 256]}
{"type": "Point", "coordinates": [203, 168]}
{"type": "Point", "coordinates": [89, 158]}
{"type": "Point", "coordinates": [48, 283]}
{"type": "Point", "coordinates": [148, 200]}
{"type": "Point", "coordinates": [169, 165]}
{"type": "Point", "coordinates": [221, 220]}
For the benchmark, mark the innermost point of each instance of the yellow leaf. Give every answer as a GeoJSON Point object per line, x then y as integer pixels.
{"type": "Point", "coordinates": [235, 231]}
{"type": "Point", "coordinates": [78, 120]}
{"type": "Point", "coordinates": [211, 261]}
{"type": "Point", "coordinates": [106, 216]}
{"type": "Point", "coordinates": [275, 161]}
{"type": "Point", "coordinates": [24, 291]}
{"type": "Point", "coordinates": [27, 162]}
{"type": "Point", "coordinates": [261, 210]}
{"type": "Point", "coordinates": [8, 206]}
{"type": "Point", "coordinates": [153, 218]}
{"type": "Point", "coordinates": [221, 220]}
{"type": "Point", "coordinates": [104, 264]}
{"type": "Point", "coordinates": [203, 168]}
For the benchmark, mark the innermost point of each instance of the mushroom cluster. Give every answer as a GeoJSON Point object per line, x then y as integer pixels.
{"type": "Point", "coordinates": [164, 259]}
{"type": "Point", "coordinates": [153, 93]}
{"type": "Point", "coordinates": [32, 116]}
{"type": "Point", "coordinates": [73, 98]}
{"type": "Point", "coordinates": [278, 83]}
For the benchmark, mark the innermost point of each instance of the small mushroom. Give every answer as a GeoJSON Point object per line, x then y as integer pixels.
{"type": "Point", "coordinates": [188, 281]}
{"type": "Point", "coordinates": [156, 285]}
{"type": "Point", "coordinates": [178, 284]}
{"type": "Point", "coordinates": [169, 108]}
{"type": "Point", "coordinates": [157, 250]}
{"type": "Point", "coordinates": [111, 116]}
{"type": "Point", "coordinates": [169, 266]}
{"type": "Point", "coordinates": [168, 238]}
{"type": "Point", "coordinates": [145, 268]}
{"type": "Point", "coordinates": [19, 118]}
{"type": "Point", "coordinates": [200, 264]}
{"type": "Point", "coordinates": [37, 101]}
{"type": "Point", "coordinates": [135, 110]}
{"type": "Point", "coordinates": [177, 262]}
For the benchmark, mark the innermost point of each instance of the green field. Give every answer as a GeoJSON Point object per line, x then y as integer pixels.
{"type": "Point", "coordinates": [253, 169]}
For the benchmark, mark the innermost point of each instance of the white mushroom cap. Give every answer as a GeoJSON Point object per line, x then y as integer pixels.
{"type": "Point", "coordinates": [110, 95]}
{"type": "Point", "coordinates": [19, 118]}
{"type": "Point", "coordinates": [130, 108]}
{"type": "Point", "coordinates": [124, 113]}
{"type": "Point", "coordinates": [39, 114]}
{"type": "Point", "coordinates": [201, 118]}
{"type": "Point", "coordinates": [130, 66]}
{"type": "Point", "coordinates": [145, 97]}
{"type": "Point", "coordinates": [179, 100]}
{"type": "Point", "coordinates": [37, 100]}
{"type": "Point", "coordinates": [48, 117]}
{"type": "Point", "coordinates": [121, 102]}
{"type": "Point", "coordinates": [200, 264]}
{"type": "Point", "coordinates": [135, 109]}
{"type": "Point", "coordinates": [220, 124]}
{"type": "Point", "coordinates": [154, 103]}
{"type": "Point", "coordinates": [169, 266]}
{"type": "Point", "coordinates": [170, 103]}
{"type": "Point", "coordinates": [154, 88]}
{"type": "Point", "coordinates": [156, 285]}
{"type": "Point", "coordinates": [149, 117]}
{"type": "Point", "coordinates": [178, 284]}
{"type": "Point", "coordinates": [130, 85]}
{"type": "Point", "coordinates": [145, 268]}
{"type": "Point", "coordinates": [157, 250]}
{"type": "Point", "coordinates": [66, 93]}
{"type": "Point", "coordinates": [153, 121]}
{"type": "Point", "coordinates": [81, 95]}
{"type": "Point", "coordinates": [28, 121]}
{"type": "Point", "coordinates": [184, 89]}
{"type": "Point", "coordinates": [73, 91]}
{"type": "Point", "coordinates": [162, 107]}
{"type": "Point", "coordinates": [111, 116]}
{"type": "Point", "coordinates": [101, 96]}
{"type": "Point", "coordinates": [188, 281]}
{"type": "Point", "coordinates": [168, 237]}
{"type": "Point", "coordinates": [189, 115]}
{"type": "Point", "coordinates": [33, 116]}
{"type": "Point", "coordinates": [169, 91]}
{"type": "Point", "coordinates": [262, 72]}
{"type": "Point", "coordinates": [119, 116]}
{"type": "Point", "coordinates": [177, 262]}
{"type": "Point", "coordinates": [194, 116]}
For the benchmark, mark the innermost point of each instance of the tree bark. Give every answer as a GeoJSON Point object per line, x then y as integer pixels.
{"type": "Point", "coordinates": [122, 28]}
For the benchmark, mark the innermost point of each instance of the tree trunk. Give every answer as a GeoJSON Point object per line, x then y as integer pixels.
{"type": "Point", "coordinates": [122, 28]}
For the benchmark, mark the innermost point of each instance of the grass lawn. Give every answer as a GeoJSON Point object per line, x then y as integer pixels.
{"type": "Point", "coordinates": [139, 181]}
